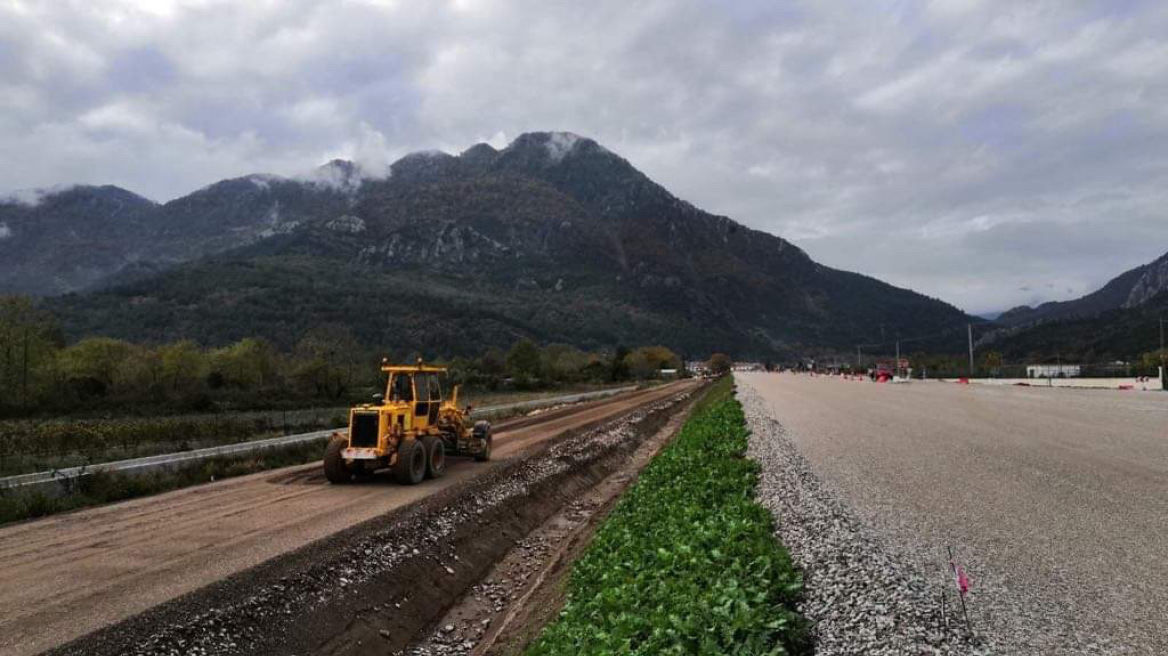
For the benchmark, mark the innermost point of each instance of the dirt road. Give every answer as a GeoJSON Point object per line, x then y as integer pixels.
{"type": "Point", "coordinates": [1056, 500]}
{"type": "Point", "coordinates": [66, 576]}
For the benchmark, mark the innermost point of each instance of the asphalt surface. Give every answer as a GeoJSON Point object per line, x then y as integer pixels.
{"type": "Point", "coordinates": [65, 576]}
{"type": "Point", "coordinates": [1056, 500]}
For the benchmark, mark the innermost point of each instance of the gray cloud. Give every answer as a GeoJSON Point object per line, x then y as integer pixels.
{"type": "Point", "coordinates": [980, 152]}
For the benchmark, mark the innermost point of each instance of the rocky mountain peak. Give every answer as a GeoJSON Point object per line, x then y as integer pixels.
{"type": "Point", "coordinates": [480, 153]}
{"type": "Point", "coordinates": [551, 147]}
{"type": "Point", "coordinates": [424, 165]}
{"type": "Point", "coordinates": [1153, 281]}
{"type": "Point", "coordinates": [338, 174]}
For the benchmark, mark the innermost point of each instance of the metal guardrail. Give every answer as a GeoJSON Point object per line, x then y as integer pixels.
{"type": "Point", "coordinates": [69, 475]}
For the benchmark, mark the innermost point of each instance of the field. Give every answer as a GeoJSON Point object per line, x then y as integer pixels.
{"type": "Point", "coordinates": [1052, 498]}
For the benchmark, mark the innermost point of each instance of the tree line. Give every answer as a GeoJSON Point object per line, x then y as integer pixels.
{"type": "Point", "coordinates": [40, 372]}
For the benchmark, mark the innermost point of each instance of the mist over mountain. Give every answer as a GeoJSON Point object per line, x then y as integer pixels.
{"type": "Point", "coordinates": [553, 237]}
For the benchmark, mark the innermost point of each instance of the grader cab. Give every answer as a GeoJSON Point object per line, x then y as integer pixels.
{"type": "Point", "coordinates": [410, 430]}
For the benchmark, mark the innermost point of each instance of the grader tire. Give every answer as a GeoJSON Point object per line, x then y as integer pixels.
{"type": "Point", "coordinates": [410, 467]}
{"type": "Point", "coordinates": [335, 469]}
{"type": "Point", "coordinates": [483, 428]}
{"type": "Point", "coordinates": [435, 456]}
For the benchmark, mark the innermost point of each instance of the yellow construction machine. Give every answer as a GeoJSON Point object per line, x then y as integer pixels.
{"type": "Point", "coordinates": [410, 430]}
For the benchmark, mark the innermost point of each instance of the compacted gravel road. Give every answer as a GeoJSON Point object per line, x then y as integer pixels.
{"type": "Point", "coordinates": [1056, 502]}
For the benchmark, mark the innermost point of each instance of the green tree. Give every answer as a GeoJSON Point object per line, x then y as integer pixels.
{"type": "Point", "coordinates": [141, 373]}
{"type": "Point", "coordinates": [561, 362]}
{"type": "Point", "coordinates": [619, 368]}
{"type": "Point", "coordinates": [493, 362]}
{"type": "Point", "coordinates": [182, 366]}
{"type": "Point", "coordinates": [327, 360]}
{"type": "Point", "coordinates": [247, 364]}
{"type": "Point", "coordinates": [648, 361]}
{"type": "Point", "coordinates": [29, 340]}
{"type": "Point", "coordinates": [719, 363]}
{"type": "Point", "coordinates": [992, 361]}
{"type": "Point", "coordinates": [1151, 360]}
{"type": "Point", "coordinates": [92, 368]}
{"type": "Point", "coordinates": [523, 360]}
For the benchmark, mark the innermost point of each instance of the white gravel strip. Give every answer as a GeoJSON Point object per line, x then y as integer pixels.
{"type": "Point", "coordinates": [863, 596]}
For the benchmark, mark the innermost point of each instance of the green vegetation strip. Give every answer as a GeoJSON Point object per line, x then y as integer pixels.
{"type": "Point", "coordinates": [687, 562]}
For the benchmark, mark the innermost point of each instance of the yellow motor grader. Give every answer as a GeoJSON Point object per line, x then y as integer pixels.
{"type": "Point", "coordinates": [410, 430]}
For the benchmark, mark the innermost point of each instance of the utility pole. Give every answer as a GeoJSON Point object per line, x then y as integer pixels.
{"type": "Point", "coordinates": [1163, 377]}
{"type": "Point", "coordinates": [970, 328]}
{"type": "Point", "coordinates": [24, 374]}
{"type": "Point", "coordinates": [898, 356]}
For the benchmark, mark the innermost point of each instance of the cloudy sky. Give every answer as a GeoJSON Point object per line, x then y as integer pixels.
{"type": "Point", "coordinates": [988, 153]}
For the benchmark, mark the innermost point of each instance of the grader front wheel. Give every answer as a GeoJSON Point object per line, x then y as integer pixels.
{"type": "Point", "coordinates": [335, 469]}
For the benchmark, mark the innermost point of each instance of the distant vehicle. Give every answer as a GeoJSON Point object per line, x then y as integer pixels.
{"type": "Point", "coordinates": [882, 372]}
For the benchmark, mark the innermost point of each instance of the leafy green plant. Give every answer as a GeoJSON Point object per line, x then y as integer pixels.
{"type": "Point", "coordinates": [687, 562]}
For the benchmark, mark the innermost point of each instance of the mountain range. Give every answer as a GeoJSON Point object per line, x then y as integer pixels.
{"type": "Point", "coordinates": [1128, 290]}
{"type": "Point", "coordinates": [553, 237]}
{"type": "Point", "coordinates": [1119, 321]}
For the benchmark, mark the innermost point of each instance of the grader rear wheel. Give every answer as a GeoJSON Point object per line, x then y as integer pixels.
{"type": "Point", "coordinates": [435, 456]}
{"type": "Point", "coordinates": [410, 467]}
{"type": "Point", "coordinates": [335, 469]}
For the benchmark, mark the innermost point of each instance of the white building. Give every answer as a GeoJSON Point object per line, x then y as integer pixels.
{"type": "Point", "coordinates": [1053, 370]}
{"type": "Point", "coordinates": [748, 366]}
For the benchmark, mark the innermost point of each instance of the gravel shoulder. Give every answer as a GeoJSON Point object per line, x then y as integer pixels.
{"type": "Point", "coordinates": [862, 597]}
{"type": "Point", "coordinates": [1054, 500]}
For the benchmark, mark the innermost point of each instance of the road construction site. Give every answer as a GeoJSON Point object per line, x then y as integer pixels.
{"type": "Point", "coordinates": [1053, 500]}
{"type": "Point", "coordinates": [281, 562]}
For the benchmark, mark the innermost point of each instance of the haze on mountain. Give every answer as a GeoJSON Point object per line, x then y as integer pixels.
{"type": "Point", "coordinates": [553, 237]}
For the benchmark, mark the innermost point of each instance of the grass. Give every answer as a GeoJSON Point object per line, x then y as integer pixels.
{"type": "Point", "coordinates": [28, 446]}
{"type": "Point", "coordinates": [107, 487]}
{"type": "Point", "coordinates": [687, 562]}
